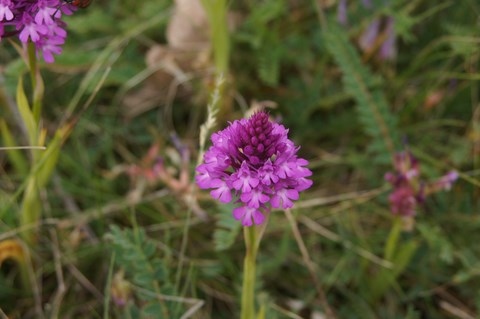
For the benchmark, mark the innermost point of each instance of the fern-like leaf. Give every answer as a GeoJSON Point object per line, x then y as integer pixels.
{"type": "Point", "coordinates": [373, 110]}
{"type": "Point", "coordinates": [226, 230]}
{"type": "Point", "coordinates": [269, 65]}
{"type": "Point", "coordinates": [136, 253]}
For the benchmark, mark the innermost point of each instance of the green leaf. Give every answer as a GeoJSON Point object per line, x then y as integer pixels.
{"type": "Point", "coordinates": [38, 94]}
{"type": "Point", "coordinates": [26, 113]}
{"type": "Point", "coordinates": [143, 279]}
{"type": "Point", "coordinates": [48, 159]}
{"type": "Point", "coordinates": [403, 256]}
{"type": "Point", "coordinates": [17, 159]}
{"type": "Point", "coordinates": [30, 210]}
{"type": "Point", "coordinates": [138, 256]}
{"type": "Point", "coordinates": [269, 64]}
{"type": "Point", "coordinates": [438, 242]}
{"type": "Point", "coordinates": [153, 310]}
{"type": "Point", "coordinates": [227, 228]}
{"type": "Point", "coordinates": [261, 312]}
{"type": "Point", "coordinates": [392, 241]}
{"type": "Point", "coordinates": [149, 249]}
{"type": "Point", "coordinates": [386, 278]}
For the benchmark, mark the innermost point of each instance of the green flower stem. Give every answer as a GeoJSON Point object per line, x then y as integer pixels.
{"type": "Point", "coordinates": [393, 238]}
{"type": "Point", "coordinates": [217, 12]}
{"type": "Point", "coordinates": [399, 250]}
{"type": "Point", "coordinates": [248, 288]}
{"type": "Point", "coordinates": [37, 84]}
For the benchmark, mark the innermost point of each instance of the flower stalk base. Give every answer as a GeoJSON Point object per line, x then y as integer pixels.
{"type": "Point", "coordinates": [249, 268]}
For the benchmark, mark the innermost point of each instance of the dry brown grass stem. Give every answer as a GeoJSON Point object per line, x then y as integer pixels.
{"type": "Point", "coordinates": [310, 265]}
{"type": "Point", "coordinates": [85, 283]}
{"type": "Point", "coordinates": [360, 196]}
{"type": "Point", "coordinates": [455, 311]}
{"type": "Point", "coordinates": [196, 304]}
{"type": "Point", "coordinates": [61, 288]}
{"type": "Point", "coordinates": [324, 232]}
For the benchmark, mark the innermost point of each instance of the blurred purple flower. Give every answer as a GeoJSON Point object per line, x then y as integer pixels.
{"type": "Point", "coordinates": [342, 12]}
{"type": "Point", "coordinates": [369, 36]}
{"type": "Point", "coordinates": [379, 36]}
{"type": "Point", "coordinates": [253, 162]}
{"type": "Point", "coordinates": [367, 3]}
{"type": "Point", "coordinates": [443, 183]}
{"type": "Point", "coordinates": [38, 21]}
{"type": "Point", "coordinates": [403, 201]}
{"type": "Point", "coordinates": [406, 194]}
{"type": "Point", "coordinates": [409, 192]}
{"type": "Point", "coordinates": [388, 50]}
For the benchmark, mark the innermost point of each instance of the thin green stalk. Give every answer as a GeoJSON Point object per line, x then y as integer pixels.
{"type": "Point", "coordinates": [37, 83]}
{"type": "Point", "coordinates": [25, 272]}
{"type": "Point", "coordinates": [399, 252]}
{"type": "Point", "coordinates": [217, 15]}
{"type": "Point", "coordinates": [108, 285]}
{"type": "Point", "coordinates": [32, 62]}
{"type": "Point", "coordinates": [30, 210]}
{"type": "Point", "coordinates": [248, 288]}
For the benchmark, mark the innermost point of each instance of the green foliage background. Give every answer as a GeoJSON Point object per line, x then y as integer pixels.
{"type": "Point", "coordinates": [349, 111]}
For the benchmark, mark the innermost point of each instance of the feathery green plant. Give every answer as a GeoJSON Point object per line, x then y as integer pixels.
{"type": "Point", "coordinates": [137, 255]}
{"type": "Point", "coordinates": [226, 228]}
{"type": "Point", "coordinates": [365, 88]}
{"type": "Point", "coordinates": [261, 31]}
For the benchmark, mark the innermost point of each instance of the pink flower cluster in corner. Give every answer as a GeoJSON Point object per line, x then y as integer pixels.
{"type": "Point", "coordinates": [38, 21]}
{"type": "Point", "coordinates": [409, 192]}
{"type": "Point", "coordinates": [254, 162]}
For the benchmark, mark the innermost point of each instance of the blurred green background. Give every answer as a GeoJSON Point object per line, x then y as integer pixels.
{"type": "Point", "coordinates": [135, 79]}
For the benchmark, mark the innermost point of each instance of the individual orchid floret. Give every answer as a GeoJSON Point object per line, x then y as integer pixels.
{"type": "Point", "coordinates": [253, 162]}
{"type": "Point", "coordinates": [444, 183]}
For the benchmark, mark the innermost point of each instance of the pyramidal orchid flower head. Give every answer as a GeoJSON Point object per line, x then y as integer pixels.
{"type": "Point", "coordinates": [38, 21]}
{"type": "Point", "coordinates": [253, 162]}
